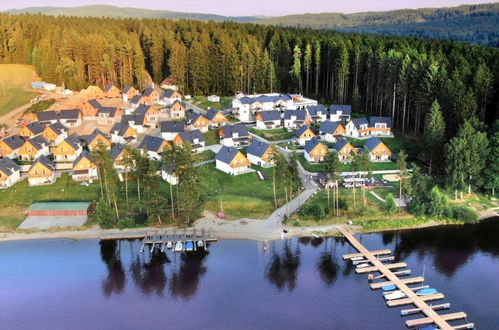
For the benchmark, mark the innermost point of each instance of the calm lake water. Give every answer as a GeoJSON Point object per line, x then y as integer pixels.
{"type": "Point", "coordinates": [236, 284]}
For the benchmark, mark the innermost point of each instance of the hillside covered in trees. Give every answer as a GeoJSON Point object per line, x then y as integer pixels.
{"type": "Point", "coordinates": [477, 24]}
{"type": "Point", "coordinates": [391, 76]}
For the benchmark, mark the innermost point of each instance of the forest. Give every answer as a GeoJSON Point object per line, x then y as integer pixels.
{"type": "Point", "coordinates": [379, 75]}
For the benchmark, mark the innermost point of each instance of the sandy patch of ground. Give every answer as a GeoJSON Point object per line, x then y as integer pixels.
{"type": "Point", "coordinates": [391, 177]}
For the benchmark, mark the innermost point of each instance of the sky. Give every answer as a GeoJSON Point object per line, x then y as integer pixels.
{"type": "Point", "coordinates": [249, 7]}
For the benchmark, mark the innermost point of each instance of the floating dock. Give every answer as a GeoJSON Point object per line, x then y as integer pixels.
{"type": "Point", "coordinates": [431, 316]}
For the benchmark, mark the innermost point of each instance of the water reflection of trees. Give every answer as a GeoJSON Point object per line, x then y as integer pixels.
{"type": "Point", "coordinates": [282, 269]}
{"type": "Point", "coordinates": [328, 269]}
{"type": "Point", "coordinates": [185, 281]}
{"type": "Point", "coordinates": [116, 279]}
{"type": "Point", "coordinates": [149, 276]}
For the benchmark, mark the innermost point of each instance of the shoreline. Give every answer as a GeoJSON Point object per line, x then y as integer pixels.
{"type": "Point", "coordinates": [237, 232]}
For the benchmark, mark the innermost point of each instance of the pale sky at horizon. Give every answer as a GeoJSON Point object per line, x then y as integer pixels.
{"type": "Point", "coordinates": [248, 7]}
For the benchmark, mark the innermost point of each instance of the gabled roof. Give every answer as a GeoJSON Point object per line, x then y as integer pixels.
{"type": "Point", "coordinates": [169, 92]}
{"type": "Point", "coordinates": [38, 142]}
{"type": "Point", "coordinates": [110, 111]}
{"type": "Point", "coordinates": [315, 110]}
{"type": "Point", "coordinates": [119, 129]}
{"type": "Point", "coordinates": [229, 130]}
{"type": "Point", "coordinates": [151, 143]}
{"type": "Point", "coordinates": [258, 148]}
{"type": "Point", "coordinates": [94, 134]}
{"type": "Point", "coordinates": [172, 126]}
{"type": "Point", "coordinates": [264, 98]}
{"type": "Point", "coordinates": [45, 162]}
{"type": "Point", "coordinates": [300, 114]}
{"type": "Point", "coordinates": [270, 115]}
{"type": "Point", "coordinates": [142, 109]}
{"type": "Point", "coordinates": [108, 87]}
{"type": "Point", "coordinates": [178, 102]}
{"type": "Point", "coordinates": [383, 120]}
{"type": "Point", "coordinates": [194, 117]}
{"type": "Point", "coordinates": [116, 150]}
{"type": "Point", "coordinates": [84, 154]}
{"type": "Point", "coordinates": [340, 144]}
{"type": "Point", "coordinates": [35, 127]}
{"type": "Point", "coordinates": [14, 141]}
{"type": "Point", "coordinates": [360, 121]}
{"type": "Point", "coordinates": [94, 103]}
{"type": "Point", "coordinates": [58, 128]}
{"type": "Point", "coordinates": [47, 115]}
{"type": "Point", "coordinates": [74, 141]}
{"type": "Point", "coordinates": [69, 114]}
{"type": "Point", "coordinates": [190, 136]}
{"type": "Point", "coordinates": [226, 154]}
{"type": "Point", "coordinates": [312, 144]}
{"type": "Point", "coordinates": [211, 113]}
{"type": "Point", "coordinates": [170, 169]}
{"type": "Point", "coordinates": [8, 166]}
{"type": "Point", "coordinates": [126, 89]}
{"type": "Point", "coordinates": [137, 119]}
{"type": "Point", "coordinates": [136, 99]}
{"type": "Point", "coordinates": [301, 130]}
{"type": "Point", "coordinates": [328, 127]}
{"type": "Point", "coordinates": [345, 109]}
{"type": "Point", "coordinates": [149, 91]}
{"type": "Point", "coordinates": [372, 143]}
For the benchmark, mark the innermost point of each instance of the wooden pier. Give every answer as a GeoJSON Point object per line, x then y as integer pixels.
{"type": "Point", "coordinates": [161, 237]}
{"type": "Point", "coordinates": [431, 316]}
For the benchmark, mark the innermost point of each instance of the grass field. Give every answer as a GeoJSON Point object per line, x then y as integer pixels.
{"type": "Point", "coordinates": [272, 134]}
{"type": "Point", "coordinates": [15, 89]}
{"type": "Point", "coordinates": [212, 137]}
{"type": "Point", "coordinates": [345, 167]}
{"type": "Point", "coordinates": [410, 145]}
{"type": "Point", "coordinates": [203, 103]}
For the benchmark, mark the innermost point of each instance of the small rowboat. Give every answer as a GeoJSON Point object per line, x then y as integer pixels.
{"type": "Point", "coordinates": [425, 292]}
{"type": "Point", "coordinates": [390, 287]}
{"type": "Point", "coordinates": [394, 295]}
{"type": "Point", "coordinates": [189, 245]}
{"type": "Point", "coordinates": [178, 246]}
{"type": "Point", "coordinates": [200, 243]}
{"type": "Point", "coordinates": [169, 244]}
{"type": "Point", "coordinates": [357, 258]}
{"type": "Point", "coordinates": [362, 265]}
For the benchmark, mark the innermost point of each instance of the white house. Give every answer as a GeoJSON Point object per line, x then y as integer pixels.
{"type": "Point", "coordinates": [70, 118]}
{"type": "Point", "coordinates": [154, 146]}
{"type": "Point", "coordinates": [304, 134]}
{"type": "Point", "coordinates": [329, 131]}
{"type": "Point", "coordinates": [10, 173]}
{"type": "Point", "coordinates": [317, 113]}
{"type": "Point", "coordinates": [260, 153]}
{"type": "Point", "coordinates": [268, 119]}
{"type": "Point", "coordinates": [170, 129]}
{"type": "Point", "coordinates": [296, 118]}
{"type": "Point", "coordinates": [236, 135]}
{"type": "Point", "coordinates": [214, 98]}
{"type": "Point", "coordinates": [340, 112]}
{"type": "Point", "coordinates": [168, 174]}
{"type": "Point", "coordinates": [357, 127]}
{"type": "Point", "coordinates": [9, 146]}
{"type": "Point", "coordinates": [231, 161]}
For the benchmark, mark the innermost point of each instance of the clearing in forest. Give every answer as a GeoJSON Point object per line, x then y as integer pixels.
{"type": "Point", "coordinates": [15, 88]}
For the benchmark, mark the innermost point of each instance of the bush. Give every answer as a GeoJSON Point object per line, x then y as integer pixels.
{"type": "Point", "coordinates": [342, 204]}
{"type": "Point", "coordinates": [317, 211]}
{"type": "Point", "coordinates": [104, 214]}
{"type": "Point", "coordinates": [464, 214]}
{"type": "Point", "coordinates": [126, 222]}
{"type": "Point", "coordinates": [390, 206]}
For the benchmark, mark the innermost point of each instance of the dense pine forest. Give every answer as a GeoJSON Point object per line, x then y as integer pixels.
{"type": "Point", "coordinates": [379, 75]}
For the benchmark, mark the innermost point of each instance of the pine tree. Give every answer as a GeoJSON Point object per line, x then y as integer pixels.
{"type": "Point", "coordinates": [434, 134]}
{"type": "Point", "coordinates": [296, 68]}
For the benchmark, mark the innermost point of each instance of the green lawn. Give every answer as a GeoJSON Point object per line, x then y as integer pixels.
{"type": "Point", "coordinates": [345, 167]}
{"type": "Point", "coordinates": [203, 103]}
{"type": "Point", "coordinates": [242, 195]}
{"type": "Point", "coordinates": [40, 106]}
{"type": "Point", "coordinates": [272, 134]}
{"type": "Point", "coordinates": [401, 141]}
{"type": "Point", "coordinates": [212, 137]}
{"type": "Point", "coordinates": [205, 155]}
{"type": "Point", "coordinates": [15, 89]}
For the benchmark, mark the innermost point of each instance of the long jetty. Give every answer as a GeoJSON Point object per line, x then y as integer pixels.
{"type": "Point", "coordinates": [431, 316]}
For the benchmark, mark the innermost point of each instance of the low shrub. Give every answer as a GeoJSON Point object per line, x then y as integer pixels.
{"type": "Point", "coordinates": [464, 214]}
{"type": "Point", "coordinates": [127, 222]}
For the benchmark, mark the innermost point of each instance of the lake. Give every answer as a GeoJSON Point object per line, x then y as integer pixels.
{"type": "Point", "coordinates": [237, 284]}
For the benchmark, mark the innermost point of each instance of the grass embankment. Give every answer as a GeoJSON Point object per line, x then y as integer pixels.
{"type": "Point", "coordinates": [15, 200]}
{"type": "Point", "coordinates": [212, 137]}
{"type": "Point", "coordinates": [202, 102]}
{"type": "Point", "coordinates": [345, 167]}
{"type": "Point", "coordinates": [204, 156]}
{"type": "Point", "coordinates": [15, 89]}
{"type": "Point", "coordinates": [272, 134]}
{"type": "Point", "coordinates": [242, 195]}
{"type": "Point", "coordinates": [400, 142]}
{"type": "Point", "coordinates": [40, 106]}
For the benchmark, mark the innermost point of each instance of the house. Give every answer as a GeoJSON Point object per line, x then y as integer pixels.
{"type": "Point", "coordinates": [304, 134]}
{"type": "Point", "coordinates": [118, 153]}
{"type": "Point", "coordinates": [213, 98]}
{"type": "Point", "coordinates": [317, 113]}
{"type": "Point", "coordinates": [84, 168]}
{"type": "Point", "coordinates": [315, 151]}
{"type": "Point", "coordinates": [108, 115]}
{"type": "Point", "coordinates": [231, 161]}
{"type": "Point", "coordinates": [170, 129]}
{"type": "Point", "coordinates": [32, 129]}
{"type": "Point", "coordinates": [329, 131]}
{"type": "Point", "coordinates": [138, 100]}
{"type": "Point", "coordinates": [47, 117]}
{"type": "Point", "coordinates": [68, 150]}
{"type": "Point", "coordinates": [172, 95]}
{"type": "Point", "coordinates": [216, 118]}
{"type": "Point", "coordinates": [195, 138]}
{"type": "Point", "coordinates": [260, 153]}
{"type": "Point", "coordinates": [150, 113]}
{"type": "Point", "coordinates": [169, 83]}
{"type": "Point", "coordinates": [340, 112]}
{"type": "Point", "coordinates": [344, 149]}
{"type": "Point", "coordinates": [70, 117]}
{"type": "Point", "coordinates": [357, 127]}
{"type": "Point", "coordinates": [198, 121]}
{"type": "Point", "coordinates": [10, 146]}
{"type": "Point", "coordinates": [168, 174]}
{"type": "Point", "coordinates": [135, 121]}
{"type": "Point", "coordinates": [152, 95]}
{"type": "Point", "coordinates": [123, 133]}
{"type": "Point", "coordinates": [268, 119]}
{"type": "Point", "coordinates": [177, 109]}
{"type": "Point", "coordinates": [244, 107]}
{"type": "Point", "coordinates": [380, 126]}
{"type": "Point", "coordinates": [96, 138]}
{"type": "Point", "coordinates": [128, 92]}
{"type": "Point", "coordinates": [296, 118]}
{"type": "Point", "coordinates": [90, 108]}
{"type": "Point", "coordinates": [10, 173]}
{"type": "Point", "coordinates": [91, 92]}
{"type": "Point", "coordinates": [41, 172]}
{"type": "Point", "coordinates": [111, 91]}
{"type": "Point", "coordinates": [378, 151]}
{"type": "Point", "coordinates": [154, 146]}
{"type": "Point", "coordinates": [236, 135]}
{"type": "Point", "coordinates": [33, 148]}
{"type": "Point", "coordinates": [55, 133]}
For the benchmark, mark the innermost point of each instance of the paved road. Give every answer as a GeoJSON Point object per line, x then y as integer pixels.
{"type": "Point", "coordinates": [197, 109]}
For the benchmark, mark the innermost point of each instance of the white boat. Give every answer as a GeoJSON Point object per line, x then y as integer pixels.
{"type": "Point", "coordinates": [169, 244]}
{"type": "Point", "coordinates": [200, 243]}
{"type": "Point", "coordinates": [357, 258]}
{"type": "Point", "coordinates": [394, 295]}
{"type": "Point", "coordinates": [178, 246]}
{"type": "Point", "coordinates": [363, 265]}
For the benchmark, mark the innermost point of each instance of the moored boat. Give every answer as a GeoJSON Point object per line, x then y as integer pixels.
{"type": "Point", "coordinates": [169, 244]}
{"type": "Point", "coordinates": [178, 246]}
{"type": "Point", "coordinates": [362, 265]}
{"type": "Point", "coordinates": [189, 246]}
{"type": "Point", "coordinates": [200, 243]}
{"type": "Point", "coordinates": [425, 292]}
{"type": "Point", "coordinates": [357, 258]}
{"type": "Point", "coordinates": [394, 295]}
{"type": "Point", "coordinates": [389, 287]}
